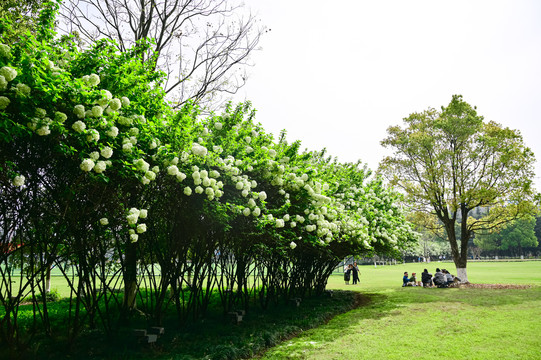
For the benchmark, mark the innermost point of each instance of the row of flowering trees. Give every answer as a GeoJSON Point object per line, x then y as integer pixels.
{"type": "Point", "coordinates": [142, 206]}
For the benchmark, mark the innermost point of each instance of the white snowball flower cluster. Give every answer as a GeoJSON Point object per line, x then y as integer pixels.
{"type": "Point", "coordinates": [104, 221]}
{"type": "Point", "coordinates": [5, 51]}
{"type": "Point", "coordinates": [87, 165]}
{"type": "Point", "coordinates": [18, 180]}
{"type": "Point", "coordinates": [133, 216]}
{"type": "Point", "coordinates": [106, 96]}
{"type": "Point", "coordinates": [79, 111]}
{"type": "Point", "coordinates": [60, 117]}
{"type": "Point", "coordinates": [218, 126]}
{"type": "Point", "coordinates": [44, 130]}
{"type": "Point", "coordinates": [115, 104]}
{"type": "Point", "coordinates": [93, 135]}
{"type": "Point", "coordinates": [292, 245]}
{"type": "Point", "coordinates": [125, 101]}
{"type": "Point", "coordinates": [112, 132]}
{"type": "Point", "coordinates": [199, 150]}
{"type": "Point", "coordinates": [4, 102]}
{"type": "Point", "coordinates": [97, 111]}
{"type": "Point", "coordinates": [22, 89]}
{"type": "Point", "coordinates": [141, 228]}
{"type": "Point", "coordinates": [100, 167]}
{"type": "Point", "coordinates": [106, 152]}
{"type": "Point", "coordinates": [8, 73]}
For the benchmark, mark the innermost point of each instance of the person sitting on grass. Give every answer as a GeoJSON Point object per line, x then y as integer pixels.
{"type": "Point", "coordinates": [413, 281]}
{"type": "Point", "coordinates": [450, 278]}
{"type": "Point", "coordinates": [426, 278]}
{"type": "Point", "coordinates": [439, 279]}
{"type": "Point", "coordinates": [405, 279]}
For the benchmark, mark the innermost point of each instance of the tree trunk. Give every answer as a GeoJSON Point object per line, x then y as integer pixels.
{"type": "Point", "coordinates": [130, 277]}
{"type": "Point", "coordinates": [48, 279]}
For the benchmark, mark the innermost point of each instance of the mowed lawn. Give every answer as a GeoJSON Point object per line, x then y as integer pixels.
{"type": "Point", "coordinates": [417, 323]}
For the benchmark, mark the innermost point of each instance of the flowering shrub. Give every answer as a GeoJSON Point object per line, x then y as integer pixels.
{"type": "Point", "coordinates": [88, 140]}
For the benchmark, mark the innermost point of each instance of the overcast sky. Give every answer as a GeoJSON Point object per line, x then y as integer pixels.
{"type": "Point", "coordinates": [338, 74]}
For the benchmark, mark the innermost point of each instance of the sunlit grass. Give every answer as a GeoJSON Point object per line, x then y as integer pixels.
{"type": "Point", "coordinates": [418, 323]}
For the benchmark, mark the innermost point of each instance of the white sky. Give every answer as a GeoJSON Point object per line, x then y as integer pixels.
{"type": "Point", "coordinates": [337, 74]}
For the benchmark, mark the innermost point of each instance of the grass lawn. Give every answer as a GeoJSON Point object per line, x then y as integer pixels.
{"type": "Point", "coordinates": [416, 323]}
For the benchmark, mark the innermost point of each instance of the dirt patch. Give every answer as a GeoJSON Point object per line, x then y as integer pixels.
{"type": "Point", "coordinates": [492, 286]}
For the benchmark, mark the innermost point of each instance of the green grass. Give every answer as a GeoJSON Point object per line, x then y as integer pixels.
{"type": "Point", "coordinates": [418, 323]}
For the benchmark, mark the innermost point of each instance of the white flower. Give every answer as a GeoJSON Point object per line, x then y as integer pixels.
{"type": "Point", "coordinates": [127, 147]}
{"type": "Point", "coordinates": [104, 221]}
{"type": "Point", "coordinates": [106, 152]}
{"type": "Point", "coordinates": [206, 182]}
{"type": "Point", "coordinates": [249, 149]}
{"type": "Point", "coordinates": [246, 212]}
{"type": "Point", "coordinates": [240, 185]}
{"type": "Point", "coordinates": [304, 177]}
{"type": "Point", "coordinates": [292, 245]}
{"type": "Point", "coordinates": [142, 165]}
{"type": "Point", "coordinates": [199, 150]}
{"type": "Point", "coordinates": [187, 191]}
{"type": "Point", "coordinates": [325, 187]}
{"type": "Point", "coordinates": [134, 237]}
{"type": "Point", "coordinates": [181, 176]}
{"type": "Point", "coordinates": [106, 96]}
{"type": "Point", "coordinates": [150, 175]}
{"type": "Point", "coordinates": [112, 132]}
{"type": "Point", "coordinates": [122, 120]}
{"type": "Point", "coordinates": [217, 149]}
{"type": "Point", "coordinates": [218, 126]}
{"type": "Point", "coordinates": [115, 104]}
{"type": "Point", "coordinates": [134, 131]}
{"type": "Point", "coordinates": [293, 224]}
{"type": "Point", "coordinates": [44, 130]}
{"type": "Point", "coordinates": [41, 113]}
{"type": "Point", "coordinates": [18, 180]}
{"type": "Point", "coordinates": [172, 170]}
{"type": "Point", "coordinates": [8, 73]}
{"type": "Point", "coordinates": [244, 193]}
{"type": "Point", "coordinates": [141, 228]}
{"type": "Point", "coordinates": [132, 219]}
{"type": "Point", "coordinates": [272, 152]}
{"type": "Point", "coordinates": [256, 212]}
{"type": "Point", "coordinates": [87, 165]}
{"type": "Point", "coordinates": [3, 83]}
{"type": "Point", "coordinates": [248, 139]}
{"type": "Point", "coordinates": [199, 190]}
{"type": "Point", "coordinates": [125, 101]}
{"type": "Point", "coordinates": [262, 195]}
{"type": "Point", "coordinates": [93, 79]}
{"type": "Point", "coordinates": [60, 117]}
{"type": "Point", "coordinates": [251, 203]}
{"type": "Point", "coordinates": [79, 110]}
{"type": "Point", "coordinates": [209, 191]}
{"type": "Point", "coordinates": [143, 213]}
{"type": "Point", "coordinates": [197, 181]}
{"type": "Point", "coordinates": [152, 145]}
{"type": "Point", "coordinates": [97, 111]}
{"type": "Point", "coordinates": [286, 217]}
{"type": "Point", "coordinates": [22, 89]}
{"type": "Point", "coordinates": [93, 135]}
{"type": "Point", "coordinates": [279, 223]}
{"type": "Point", "coordinates": [94, 155]}
{"type": "Point", "coordinates": [5, 50]}
{"type": "Point", "coordinates": [79, 126]}
{"type": "Point", "coordinates": [100, 167]}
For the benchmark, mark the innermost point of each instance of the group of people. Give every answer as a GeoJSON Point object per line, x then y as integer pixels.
{"type": "Point", "coordinates": [442, 278]}
{"type": "Point", "coordinates": [351, 270]}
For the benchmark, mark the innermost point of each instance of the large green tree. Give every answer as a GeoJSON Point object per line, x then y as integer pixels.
{"type": "Point", "coordinates": [451, 162]}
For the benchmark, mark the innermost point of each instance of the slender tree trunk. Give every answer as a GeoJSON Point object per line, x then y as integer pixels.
{"type": "Point", "coordinates": [130, 277]}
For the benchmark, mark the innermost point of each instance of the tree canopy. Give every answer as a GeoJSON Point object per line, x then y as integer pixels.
{"type": "Point", "coordinates": [451, 162]}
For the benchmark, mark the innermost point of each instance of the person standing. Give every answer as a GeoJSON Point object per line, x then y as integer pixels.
{"type": "Point", "coordinates": [355, 272]}
{"type": "Point", "coordinates": [347, 274]}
